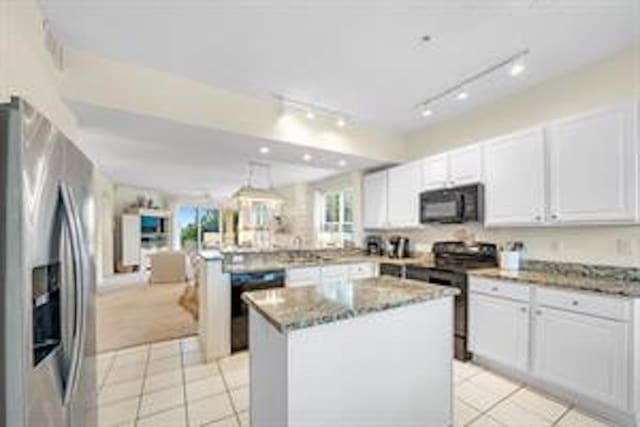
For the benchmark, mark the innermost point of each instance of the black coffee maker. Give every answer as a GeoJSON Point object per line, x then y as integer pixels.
{"type": "Point", "coordinates": [374, 245]}
{"type": "Point", "coordinates": [398, 247]}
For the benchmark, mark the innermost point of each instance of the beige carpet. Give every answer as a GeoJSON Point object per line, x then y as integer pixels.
{"type": "Point", "coordinates": [140, 315]}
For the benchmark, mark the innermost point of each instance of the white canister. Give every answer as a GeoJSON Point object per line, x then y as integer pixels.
{"type": "Point", "coordinates": [510, 260]}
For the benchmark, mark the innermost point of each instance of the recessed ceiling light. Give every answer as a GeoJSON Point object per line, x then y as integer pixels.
{"type": "Point", "coordinates": [342, 163]}
{"type": "Point", "coordinates": [517, 68]}
{"type": "Point", "coordinates": [462, 95]}
{"type": "Point", "coordinates": [310, 115]}
{"type": "Point", "coordinates": [264, 150]}
{"type": "Point", "coordinates": [307, 157]}
{"type": "Point", "coordinates": [341, 123]}
{"type": "Point", "coordinates": [426, 112]}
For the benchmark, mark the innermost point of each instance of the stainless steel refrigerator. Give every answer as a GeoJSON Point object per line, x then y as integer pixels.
{"type": "Point", "coordinates": [48, 375]}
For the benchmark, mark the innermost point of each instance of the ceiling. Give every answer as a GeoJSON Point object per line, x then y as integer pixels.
{"type": "Point", "coordinates": [363, 58]}
{"type": "Point", "coordinates": [188, 160]}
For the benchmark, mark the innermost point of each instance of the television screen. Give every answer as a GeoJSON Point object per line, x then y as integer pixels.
{"type": "Point", "coordinates": [149, 224]}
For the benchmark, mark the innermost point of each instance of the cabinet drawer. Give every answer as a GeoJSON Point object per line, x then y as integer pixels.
{"type": "Point", "coordinates": [362, 270]}
{"type": "Point", "coordinates": [582, 302]}
{"type": "Point", "coordinates": [500, 288]}
{"type": "Point", "coordinates": [331, 271]}
{"type": "Point", "coordinates": [307, 275]}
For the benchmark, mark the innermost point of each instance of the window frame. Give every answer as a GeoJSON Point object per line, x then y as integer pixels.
{"type": "Point", "coordinates": [198, 221]}
{"type": "Point", "coordinates": [343, 228]}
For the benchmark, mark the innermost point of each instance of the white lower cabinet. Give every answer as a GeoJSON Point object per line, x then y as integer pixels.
{"type": "Point", "coordinates": [578, 342]}
{"type": "Point", "coordinates": [583, 353]}
{"type": "Point", "coordinates": [499, 330]}
{"type": "Point", "coordinates": [305, 276]}
{"type": "Point", "coordinates": [329, 274]}
{"type": "Point", "coordinates": [334, 274]}
{"type": "Point", "coordinates": [363, 270]}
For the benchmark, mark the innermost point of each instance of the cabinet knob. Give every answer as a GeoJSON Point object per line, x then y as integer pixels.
{"type": "Point", "coordinates": [554, 216]}
{"type": "Point", "coordinates": [538, 217]}
{"type": "Point", "coordinates": [494, 289]}
{"type": "Point", "coordinates": [538, 312]}
{"type": "Point", "coordinates": [523, 309]}
{"type": "Point", "coordinates": [574, 302]}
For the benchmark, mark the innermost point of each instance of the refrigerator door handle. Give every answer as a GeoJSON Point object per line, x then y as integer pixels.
{"type": "Point", "coordinates": [79, 306]}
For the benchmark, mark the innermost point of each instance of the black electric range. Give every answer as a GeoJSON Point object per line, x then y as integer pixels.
{"type": "Point", "coordinates": [452, 260]}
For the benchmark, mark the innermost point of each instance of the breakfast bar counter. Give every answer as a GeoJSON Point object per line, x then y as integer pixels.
{"type": "Point", "coordinates": [375, 351]}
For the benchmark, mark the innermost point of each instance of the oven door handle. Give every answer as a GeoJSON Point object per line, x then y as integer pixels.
{"type": "Point", "coordinates": [460, 207]}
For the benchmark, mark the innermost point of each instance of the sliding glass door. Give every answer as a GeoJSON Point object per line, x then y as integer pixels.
{"type": "Point", "coordinates": [199, 227]}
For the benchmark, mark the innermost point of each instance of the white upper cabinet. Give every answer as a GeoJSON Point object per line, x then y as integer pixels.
{"type": "Point", "coordinates": [514, 179]}
{"type": "Point", "coordinates": [375, 200]}
{"type": "Point", "coordinates": [465, 165]}
{"type": "Point", "coordinates": [451, 169]}
{"type": "Point", "coordinates": [435, 172]}
{"type": "Point", "coordinates": [403, 194]}
{"type": "Point", "coordinates": [592, 168]}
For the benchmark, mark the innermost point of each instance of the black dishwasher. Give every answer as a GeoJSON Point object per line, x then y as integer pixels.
{"type": "Point", "coordinates": [246, 282]}
{"type": "Point", "coordinates": [388, 269]}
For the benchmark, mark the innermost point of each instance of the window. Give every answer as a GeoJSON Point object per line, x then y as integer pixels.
{"type": "Point", "coordinates": [337, 215]}
{"type": "Point", "coordinates": [199, 227]}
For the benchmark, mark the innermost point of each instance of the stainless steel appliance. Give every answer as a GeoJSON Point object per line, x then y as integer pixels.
{"type": "Point", "coordinates": [452, 260]}
{"type": "Point", "coordinates": [48, 285]}
{"type": "Point", "coordinates": [398, 247]}
{"type": "Point", "coordinates": [244, 282]}
{"type": "Point", "coordinates": [374, 245]}
{"type": "Point", "coordinates": [452, 205]}
{"type": "Point", "coordinates": [393, 270]}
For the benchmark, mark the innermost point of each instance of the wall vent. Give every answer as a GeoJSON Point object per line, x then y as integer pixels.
{"type": "Point", "coordinates": [53, 46]}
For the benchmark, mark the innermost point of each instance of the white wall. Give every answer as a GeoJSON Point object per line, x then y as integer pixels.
{"type": "Point", "coordinates": [298, 211]}
{"type": "Point", "coordinates": [299, 207]}
{"type": "Point", "coordinates": [611, 80]}
{"type": "Point", "coordinates": [104, 195]}
{"type": "Point", "coordinates": [154, 93]}
{"type": "Point", "coordinates": [26, 69]}
{"type": "Point", "coordinates": [592, 245]}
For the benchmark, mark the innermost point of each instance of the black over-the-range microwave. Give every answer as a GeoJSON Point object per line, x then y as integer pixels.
{"type": "Point", "coordinates": [452, 205]}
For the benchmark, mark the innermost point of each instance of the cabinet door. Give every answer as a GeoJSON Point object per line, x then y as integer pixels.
{"type": "Point", "coordinates": [302, 277]}
{"type": "Point", "coordinates": [465, 165]}
{"type": "Point", "coordinates": [592, 168]}
{"type": "Point", "coordinates": [404, 194]}
{"type": "Point", "coordinates": [514, 179]}
{"type": "Point", "coordinates": [363, 270]}
{"type": "Point", "coordinates": [499, 330]}
{"type": "Point", "coordinates": [435, 173]}
{"type": "Point", "coordinates": [585, 354]}
{"type": "Point", "coordinates": [130, 238]}
{"type": "Point", "coordinates": [375, 200]}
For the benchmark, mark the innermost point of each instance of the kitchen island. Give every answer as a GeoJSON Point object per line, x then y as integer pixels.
{"type": "Point", "coordinates": [375, 351]}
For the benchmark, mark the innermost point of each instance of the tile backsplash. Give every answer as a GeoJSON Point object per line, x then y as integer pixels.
{"type": "Point", "coordinates": [609, 245]}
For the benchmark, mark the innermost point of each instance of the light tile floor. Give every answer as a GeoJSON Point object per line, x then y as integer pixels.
{"type": "Point", "coordinates": [166, 385]}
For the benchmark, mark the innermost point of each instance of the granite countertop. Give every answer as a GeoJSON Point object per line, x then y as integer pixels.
{"type": "Point", "coordinates": [290, 309]}
{"type": "Point", "coordinates": [566, 280]}
{"type": "Point", "coordinates": [250, 265]}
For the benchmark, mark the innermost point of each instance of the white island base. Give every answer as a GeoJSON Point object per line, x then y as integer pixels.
{"type": "Point", "coordinates": [389, 368]}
